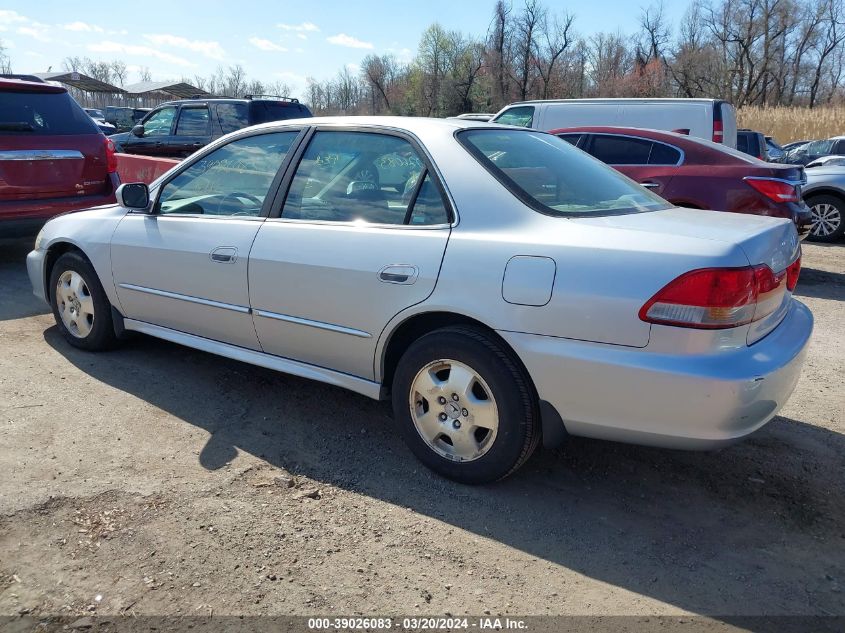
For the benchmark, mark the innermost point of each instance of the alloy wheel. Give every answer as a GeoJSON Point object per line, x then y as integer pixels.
{"type": "Point", "coordinates": [826, 219]}
{"type": "Point", "coordinates": [453, 410]}
{"type": "Point", "coordinates": [75, 303]}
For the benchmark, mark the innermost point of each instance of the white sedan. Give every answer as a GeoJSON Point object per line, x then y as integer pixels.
{"type": "Point", "coordinates": [501, 286]}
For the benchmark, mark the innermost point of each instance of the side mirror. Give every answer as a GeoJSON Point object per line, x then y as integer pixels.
{"type": "Point", "coordinates": [138, 130]}
{"type": "Point", "coordinates": [133, 195]}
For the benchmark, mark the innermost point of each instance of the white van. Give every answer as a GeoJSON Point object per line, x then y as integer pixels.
{"type": "Point", "coordinates": [710, 119]}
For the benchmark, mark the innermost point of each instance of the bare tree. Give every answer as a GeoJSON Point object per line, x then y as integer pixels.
{"type": "Point", "coordinates": [5, 62]}
{"type": "Point", "coordinates": [557, 37]}
{"type": "Point", "coordinates": [144, 74]}
{"type": "Point", "coordinates": [118, 71]}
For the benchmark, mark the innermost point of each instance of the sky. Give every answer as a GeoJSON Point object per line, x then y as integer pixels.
{"type": "Point", "coordinates": [273, 41]}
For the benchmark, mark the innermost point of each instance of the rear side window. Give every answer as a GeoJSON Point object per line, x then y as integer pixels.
{"type": "Point", "coordinates": [43, 113]}
{"type": "Point", "coordinates": [232, 116]}
{"type": "Point", "coordinates": [572, 139]}
{"type": "Point", "coordinates": [264, 111]}
{"type": "Point", "coordinates": [193, 122]}
{"type": "Point", "coordinates": [620, 150]}
{"type": "Point", "coordinates": [554, 178]}
{"type": "Point", "coordinates": [523, 116]}
{"type": "Point", "coordinates": [664, 155]}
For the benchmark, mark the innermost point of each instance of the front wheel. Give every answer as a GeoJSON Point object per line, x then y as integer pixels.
{"type": "Point", "coordinates": [80, 305]}
{"type": "Point", "coordinates": [465, 406]}
{"type": "Point", "coordinates": [828, 225]}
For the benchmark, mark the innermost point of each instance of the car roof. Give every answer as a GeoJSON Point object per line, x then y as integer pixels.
{"type": "Point", "coordinates": [19, 85]}
{"type": "Point", "coordinates": [206, 100]}
{"type": "Point", "coordinates": [415, 125]}
{"type": "Point", "coordinates": [616, 100]}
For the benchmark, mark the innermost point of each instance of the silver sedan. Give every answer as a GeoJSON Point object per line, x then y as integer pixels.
{"type": "Point", "coordinates": [500, 286]}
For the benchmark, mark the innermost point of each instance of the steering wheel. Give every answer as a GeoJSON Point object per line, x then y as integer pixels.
{"type": "Point", "coordinates": [237, 195]}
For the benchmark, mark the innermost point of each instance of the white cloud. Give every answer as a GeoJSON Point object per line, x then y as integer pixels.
{"type": "Point", "coordinates": [305, 26]}
{"type": "Point", "coordinates": [266, 45]}
{"type": "Point", "coordinates": [11, 17]}
{"type": "Point", "coordinates": [141, 51]}
{"type": "Point", "coordinates": [82, 26]}
{"type": "Point", "coordinates": [36, 31]}
{"type": "Point", "coordinates": [208, 48]}
{"type": "Point", "coordinates": [342, 39]}
{"type": "Point", "coordinates": [302, 36]}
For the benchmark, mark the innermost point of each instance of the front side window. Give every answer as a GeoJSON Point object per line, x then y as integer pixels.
{"type": "Point", "coordinates": [522, 116]}
{"type": "Point", "coordinates": [193, 122]}
{"type": "Point", "coordinates": [363, 177]}
{"type": "Point", "coordinates": [159, 122]}
{"type": "Point", "coordinates": [553, 177]}
{"type": "Point", "coordinates": [233, 180]}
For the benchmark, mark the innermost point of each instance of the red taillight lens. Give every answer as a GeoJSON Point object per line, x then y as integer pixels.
{"type": "Point", "coordinates": [776, 190]}
{"type": "Point", "coordinates": [717, 298]}
{"type": "Point", "coordinates": [718, 132]}
{"type": "Point", "coordinates": [792, 273]}
{"type": "Point", "coordinates": [111, 159]}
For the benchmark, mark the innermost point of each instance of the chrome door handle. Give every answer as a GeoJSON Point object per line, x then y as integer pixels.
{"type": "Point", "coordinates": [224, 255]}
{"type": "Point", "coordinates": [398, 274]}
{"type": "Point", "coordinates": [650, 185]}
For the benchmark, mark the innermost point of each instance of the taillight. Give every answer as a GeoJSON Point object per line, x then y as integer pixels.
{"type": "Point", "coordinates": [774, 189]}
{"type": "Point", "coordinates": [111, 159]}
{"type": "Point", "coordinates": [718, 132]}
{"type": "Point", "coordinates": [718, 298]}
{"type": "Point", "coordinates": [792, 273]}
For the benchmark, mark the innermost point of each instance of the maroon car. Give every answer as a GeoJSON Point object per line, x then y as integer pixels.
{"type": "Point", "coordinates": [690, 172]}
{"type": "Point", "coordinates": [53, 158]}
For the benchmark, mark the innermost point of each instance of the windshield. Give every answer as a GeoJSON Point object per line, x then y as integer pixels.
{"type": "Point", "coordinates": [553, 177]}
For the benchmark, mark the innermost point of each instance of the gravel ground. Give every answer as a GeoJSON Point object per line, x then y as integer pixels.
{"type": "Point", "coordinates": [160, 480]}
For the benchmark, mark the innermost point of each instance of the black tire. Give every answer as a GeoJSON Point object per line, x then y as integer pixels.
{"type": "Point", "coordinates": [101, 335]}
{"type": "Point", "coordinates": [834, 235]}
{"type": "Point", "coordinates": [518, 430]}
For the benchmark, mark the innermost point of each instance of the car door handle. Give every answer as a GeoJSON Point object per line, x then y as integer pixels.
{"type": "Point", "coordinates": [650, 185]}
{"type": "Point", "coordinates": [398, 274]}
{"type": "Point", "coordinates": [224, 255]}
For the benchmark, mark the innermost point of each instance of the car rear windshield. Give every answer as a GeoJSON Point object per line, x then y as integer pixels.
{"type": "Point", "coordinates": [43, 113]}
{"type": "Point", "coordinates": [553, 177]}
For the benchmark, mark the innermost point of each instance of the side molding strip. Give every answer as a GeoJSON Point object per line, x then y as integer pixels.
{"type": "Point", "coordinates": [188, 298]}
{"type": "Point", "coordinates": [331, 327]}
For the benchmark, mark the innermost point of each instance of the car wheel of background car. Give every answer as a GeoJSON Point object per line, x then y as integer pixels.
{"type": "Point", "coordinates": [464, 406]}
{"type": "Point", "coordinates": [827, 218]}
{"type": "Point", "coordinates": [80, 305]}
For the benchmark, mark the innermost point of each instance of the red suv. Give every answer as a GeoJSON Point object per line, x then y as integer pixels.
{"type": "Point", "coordinates": [53, 158]}
{"type": "Point", "coordinates": [690, 172]}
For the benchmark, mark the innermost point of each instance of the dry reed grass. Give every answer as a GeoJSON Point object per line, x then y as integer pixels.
{"type": "Point", "coordinates": [794, 124]}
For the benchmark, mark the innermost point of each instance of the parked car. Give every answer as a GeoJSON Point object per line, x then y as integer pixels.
{"type": "Point", "coordinates": [752, 143]}
{"type": "Point", "coordinates": [691, 172]}
{"type": "Point", "coordinates": [515, 289]}
{"type": "Point", "coordinates": [124, 118]}
{"type": "Point", "coordinates": [835, 159]}
{"type": "Point", "coordinates": [809, 152]}
{"type": "Point", "coordinates": [179, 128]}
{"type": "Point", "coordinates": [824, 193]}
{"type": "Point", "coordinates": [53, 158]}
{"type": "Point", "coordinates": [99, 120]}
{"type": "Point", "coordinates": [710, 119]}
{"type": "Point", "coordinates": [774, 150]}
{"type": "Point", "coordinates": [792, 145]}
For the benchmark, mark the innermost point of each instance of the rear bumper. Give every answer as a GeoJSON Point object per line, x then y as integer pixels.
{"type": "Point", "coordinates": [686, 401]}
{"type": "Point", "coordinates": [20, 218]}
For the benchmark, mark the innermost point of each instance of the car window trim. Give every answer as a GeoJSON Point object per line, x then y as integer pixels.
{"type": "Point", "coordinates": [272, 191]}
{"type": "Point", "coordinates": [430, 167]}
{"type": "Point", "coordinates": [680, 162]}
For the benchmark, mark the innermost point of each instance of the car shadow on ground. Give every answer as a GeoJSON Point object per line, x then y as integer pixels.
{"type": "Point", "coordinates": [751, 529]}
{"type": "Point", "coordinates": [16, 298]}
{"type": "Point", "coordinates": [821, 284]}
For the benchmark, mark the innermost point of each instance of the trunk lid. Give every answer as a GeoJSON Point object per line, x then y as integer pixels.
{"type": "Point", "coordinates": [52, 167]}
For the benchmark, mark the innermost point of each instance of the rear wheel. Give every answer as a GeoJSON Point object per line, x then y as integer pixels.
{"type": "Point", "coordinates": [828, 212]}
{"type": "Point", "coordinates": [464, 405]}
{"type": "Point", "coordinates": [80, 305]}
